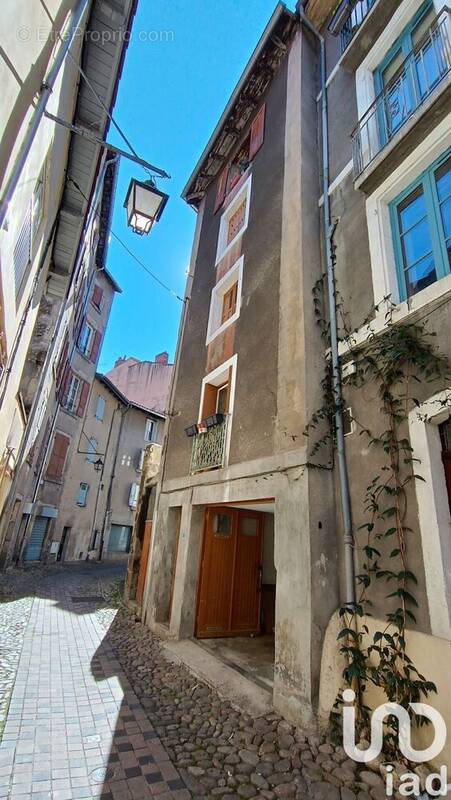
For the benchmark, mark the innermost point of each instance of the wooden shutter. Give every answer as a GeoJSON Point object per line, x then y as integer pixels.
{"type": "Point", "coordinates": [57, 459]}
{"type": "Point", "coordinates": [257, 132]}
{"type": "Point", "coordinates": [97, 295]}
{"type": "Point", "coordinates": [62, 360]}
{"type": "Point", "coordinates": [83, 398]}
{"type": "Point", "coordinates": [65, 383]}
{"type": "Point", "coordinates": [95, 347]}
{"type": "Point", "coordinates": [229, 303]}
{"type": "Point", "coordinates": [222, 187]}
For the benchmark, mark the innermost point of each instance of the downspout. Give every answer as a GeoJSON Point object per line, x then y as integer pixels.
{"type": "Point", "coordinates": [348, 538]}
{"type": "Point", "coordinates": [46, 91]}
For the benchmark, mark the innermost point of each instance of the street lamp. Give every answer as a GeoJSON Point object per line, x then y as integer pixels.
{"type": "Point", "coordinates": [98, 465]}
{"type": "Point", "coordinates": [144, 204]}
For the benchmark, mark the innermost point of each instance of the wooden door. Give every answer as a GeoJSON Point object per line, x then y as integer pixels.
{"type": "Point", "coordinates": [229, 586]}
{"type": "Point", "coordinates": [143, 561]}
{"type": "Point", "coordinates": [247, 574]}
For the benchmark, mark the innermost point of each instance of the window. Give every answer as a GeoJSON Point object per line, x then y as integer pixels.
{"type": "Point", "coordinates": [100, 408]}
{"type": "Point", "coordinates": [119, 539]}
{"type": "Point", "coordinates": [234, 219]}
{"type": "Point", "coordinates": [141, 456]}
{"type": "Point", "coordinates": [97, 295]}
{"type": "Point", "coordinates": [229, 303]}
{"type": "Point", "coordinates": [86, 338]}
{"type": "Point", "coordinates": [421, 220]}
{"type": "Point", "coordinates": [73, 394]}
{"type": "Point", "coordinates": [22, 251]}
{"type": "Point", "coordinates": [225, 301]}
{"type": "Point", "coordinates": [410, 70]}
{"type": "Point", "coordinates": [222, 399]}
{"type": "Point", "coordinates": [133, 496]}
{"type": "Point", "coordinates": [149, 430]}
{"type": "Point", "coordinates": [82, 498]}
{"type": "Point", "coordinates": [92, 450]}
{"type": "Point", "coordinates": [232, 173]}
{"type": "Point", "coordinates": [58, 455]}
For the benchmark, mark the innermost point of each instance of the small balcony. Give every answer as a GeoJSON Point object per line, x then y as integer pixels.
{"type": "Point", "coordinates": [354, 21]}
{"type": "Point", "coordinates": [410, 96]}
{"type": "Point", "coordinates": [209, 447]}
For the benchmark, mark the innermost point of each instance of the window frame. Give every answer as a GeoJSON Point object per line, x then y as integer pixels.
{"type": "Point", "coordinates": [100, 397]}
{"type": "Point", "coordinates": [150, 423]}
{"type": "Point", "coordinates": [73, 408]}
{"type": "Point", "coordinates": [86, 351]}
{"type": "Point", "coordinates": [82, 499]}
{"type": "Point", "coordinates": [243, 194]}
{"type": "Point", "coordinates": [427, 181]}
{"type": "Point", "coordinates": [234, 275]}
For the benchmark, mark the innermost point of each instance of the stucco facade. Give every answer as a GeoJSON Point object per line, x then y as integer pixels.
{"type": "Point", "coordinates": [266, 227]}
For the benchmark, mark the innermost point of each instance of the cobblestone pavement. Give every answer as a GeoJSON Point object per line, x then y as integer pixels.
{"type": "Point", "coordinates": [97, 710]}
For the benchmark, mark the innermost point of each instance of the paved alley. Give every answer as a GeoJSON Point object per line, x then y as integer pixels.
{"type": "Point", "coordinates": [75, 728]}
{"type": "Point", "coordinates": [96, 709]}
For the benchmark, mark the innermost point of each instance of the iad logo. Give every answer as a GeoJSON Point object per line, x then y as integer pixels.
{"type": "Point", "coordinates": [410, 782]}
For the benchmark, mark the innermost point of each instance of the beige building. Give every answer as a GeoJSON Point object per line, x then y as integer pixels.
{"type": "Point", "coordinates": [99, 484]}
{"type": "Point", "coordinates": [57, 189]}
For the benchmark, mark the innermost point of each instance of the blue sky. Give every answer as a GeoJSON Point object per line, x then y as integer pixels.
{"type": "Point", "coordinates": [182, 64]}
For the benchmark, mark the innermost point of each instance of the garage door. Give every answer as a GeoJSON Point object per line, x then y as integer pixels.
{"type": "Point", "coordinates": [34, 546]}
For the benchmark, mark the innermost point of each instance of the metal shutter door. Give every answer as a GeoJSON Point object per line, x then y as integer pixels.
{"type": "Point", "coordinates": [34, 546]}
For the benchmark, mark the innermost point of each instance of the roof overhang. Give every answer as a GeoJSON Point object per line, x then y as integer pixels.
{"type": "Point", "coordinates": [109, 23]}
{"type": "Point", "coordinates": [256, 77]}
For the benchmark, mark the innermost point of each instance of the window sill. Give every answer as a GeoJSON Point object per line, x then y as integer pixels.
{"type": "Point", "coordinates": [425, 301]}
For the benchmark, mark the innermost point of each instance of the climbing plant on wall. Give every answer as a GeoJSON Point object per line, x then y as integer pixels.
{"type": "Point", "coordinates": [401, 362]}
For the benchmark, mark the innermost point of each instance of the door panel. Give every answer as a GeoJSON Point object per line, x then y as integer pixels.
{"type": "Point", "coordinates": [34, 546]}
{"type": "Point", "coordinates": [215, 593]}
{"type": "Point", "coordinates": [229, 591]}
{"type": "Point", "coordinates": [246, 585]}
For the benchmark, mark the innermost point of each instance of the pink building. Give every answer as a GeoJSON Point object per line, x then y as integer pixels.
{"type": "Point", "coordinates": [146, 383]}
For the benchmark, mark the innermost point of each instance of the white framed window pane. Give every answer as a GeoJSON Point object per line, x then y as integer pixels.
{"type": "Point", "coordinates": [149, 430]}
{"type": "Point", "coordinates": [72, 394]}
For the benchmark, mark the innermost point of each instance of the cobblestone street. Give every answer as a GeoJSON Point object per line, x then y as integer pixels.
{"type": "Point", "coordinates": [97, 710]}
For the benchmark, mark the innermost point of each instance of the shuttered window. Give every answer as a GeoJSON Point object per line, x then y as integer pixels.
{"type": "Point", "coordinates": [133, 496]}
{"type": "Point", "coordinates": [22, 250]}
{"type": "Point", "coordinates": [229, 303]}
{"type": "Point", "coordinates": [257, 132]}
{"type": "Point", "coordinates": [100, 408]}
{"type": "Point", "coordinates": [57, 459]}
{"type": "Point", "coordinates": [82, 498]}
{"type": "Point", "coordinates": [221, 188]}
{"type": "Point", "coordinates": [97, 295]}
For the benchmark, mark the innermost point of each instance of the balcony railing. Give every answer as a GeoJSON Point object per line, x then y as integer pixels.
{"type": "Point", "coordinates": [417, 78]}
{"type": "Point", "coordinates": [354, 21]}
{"type": "Point", "coordinates": [209, 448]}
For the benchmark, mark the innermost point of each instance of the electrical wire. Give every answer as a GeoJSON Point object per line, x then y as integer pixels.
{"type": "Point", "coordinates": [130, 252]}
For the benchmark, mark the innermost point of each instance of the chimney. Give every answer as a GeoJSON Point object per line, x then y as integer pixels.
{"type": "Point", "coordinates": [120, 361]}
{"type": "Point", "coordinates": [162, 358]}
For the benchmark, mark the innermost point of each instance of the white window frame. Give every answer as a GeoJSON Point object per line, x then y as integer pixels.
{"type": "Point", "coordinates": [243, 194]}
{"type": "Point", "coordinates": [85, 349]}
{"type": "Point", "coordinates": [150, 429]}
{"type": "Point", "coordinates": [380, 234]}
{"type": "Point", "coordinates": [102, 399]}
{"type": "Point", "coordinates": [433, 508]}
{"type": "Point", "coordinates": [133, 495]}
{"type": "Point", "coordinates": [82, 497]}
{"type": "Point", "coordinates": [225, 373]}
{"type": "Point", "coordinates": [233, 275]}
{"type": "Point", "coordinates": [73, 395]}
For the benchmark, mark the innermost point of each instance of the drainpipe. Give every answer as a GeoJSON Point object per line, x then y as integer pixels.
{"type": "Point", "coordinates": [348, 539]}
{"type": "Point", "coordinates": [33, 125]}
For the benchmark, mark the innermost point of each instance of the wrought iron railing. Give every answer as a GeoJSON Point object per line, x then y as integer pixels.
{"type": "Point", "coordinates": [416, 79]}
{"type": "Point", "coordinates": [209, 448]}
{"type": "Point", "coordinates": [354, 21]}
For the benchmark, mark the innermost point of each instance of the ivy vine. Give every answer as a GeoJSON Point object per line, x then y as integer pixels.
{"type": "Point", "coordinates": [396, 362]}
